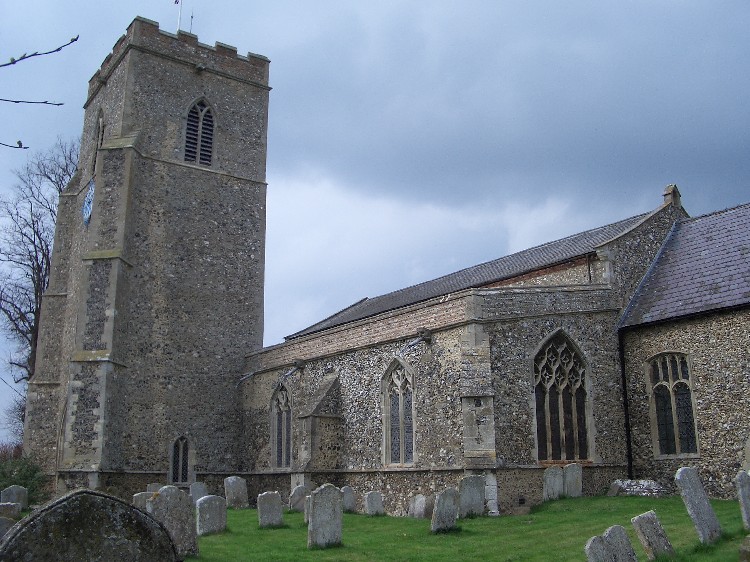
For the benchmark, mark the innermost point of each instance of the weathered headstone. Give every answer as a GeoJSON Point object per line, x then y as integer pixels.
{"type": "Point", "coordinates": [140, 499]}
{"type": "Point", "coordinates": [154, 487]}
{"type": "Point", "coordinates": [270, 510]}
{"type": "Point", "coordinates": [642, 488]}
{"type": "Point", "coordinates": [10, 510]}
{"type": "Point", "coordinates": [490, 494]}
{"type": "Point", "coordinates": [471, 496]}
{"type": "Point", "coordinates": [573, 480]}
{"type": "Point", "coordinates": [5, 525]}
{"type": "Point", "coordinates": [553, 483]}
{"type": "Point", "coordinates": [421, 506]}
{"type": "Point", "coordinates": [307, 509]}
{"type": "Point", "coordinates": [15, 494]}
{"type": "Point", "coordinates": [88, 525]}
{"type": "Point", "coordinates": [374, 503]}
{"type": "Point", "coordinates": [235, 490]}
{"type": "Point", "coordinates": [742, 482]}
{"type": "Point", "coordinates": [210, 515]}
{"type": "Point", "coordinates": [445, 513]}
{"type": "Point", "coordinates": [596, 550]}
{"type": "Point", "coordinates": [297, 498]}
{"type": "Point", "coordinates": [696, 501]}
{"type": "Point", "coordinates": [652, 536]}
{"type": "Point", "coordinates": [173, 508]}
{"type": "Point", "coordinates": [198, 490]}
{"type": "Point", "coordinates": [350, 501]}
{"type": "Point", "coordinates": [618, 543]}
{"type": "Point", "coordinates": [325, 516]}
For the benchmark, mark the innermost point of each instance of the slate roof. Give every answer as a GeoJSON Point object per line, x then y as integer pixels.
{"type": "Point", "coordinates": [480, 275]}
{"type": "Point", "coordinates": [704, 265]}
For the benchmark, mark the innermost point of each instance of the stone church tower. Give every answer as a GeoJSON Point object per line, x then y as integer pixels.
{"type": "Point", "coordinates": [156, 289]}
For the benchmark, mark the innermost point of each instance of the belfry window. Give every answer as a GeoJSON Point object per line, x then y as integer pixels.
{"type": "Point", "coordinates": [560, 397]}
{"type": "Point", "coordinates": [199, 134]}
{"type": "Point", "coordinates": [398, 415]}
{"type": "Point", "coordinates": [180, 467]}
{"type": "Point", "coordinates": [281, 424]}
{"type": "Point", "coordinates": [672, 402]}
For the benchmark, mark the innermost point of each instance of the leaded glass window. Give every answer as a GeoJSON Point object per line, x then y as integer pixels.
{"type": "Point", "coordinates": [199, 134]}
{"type": "Point", "coordinates": [180, 466]}
{"type": "Point", "coordinates": [281, 423]}
{"type": "Point", "coordinates": [672, 399]}
{"type": "Point", "coordinates": [560, 397]}
{"type": "Point", "coordinates": [398, 415]}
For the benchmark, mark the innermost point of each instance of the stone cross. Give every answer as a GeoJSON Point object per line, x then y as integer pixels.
{"type": "Point", "coordinates": [698, 507]}
{"type": "Point", "coordinates": [325, 516]}
{"type": "Point", "coordinates": [198, 490]}
{"type": "Point", "coordinates": [235, 490]}
{"type": "Point", "coordinates": [553, 483]}
{"type": "Point", "coordinates": [374, 503]}
{"type": "Point", "coordinates": [210, 515]}
{"type": "Point", "coordinates": [297, 498]}
{"type": "Point", "coordinates": [742, 481]}
{"type": "Point", "coordinates": [174, 509]}
{"type": "Point", "coordinates": [573, 480]}
{"type": "Point", "coordinates": [652, 535]}
{"type": "Point", "coordinates": [15, 494]}
{"type": "Point", "coordinates": [471, 496]}
{"type": "Point", "coordinates": [350, 501]}
{"type": "Point", "coordinates": [270, 510]}
{"type": "Point", "coordinates": [445, 513]}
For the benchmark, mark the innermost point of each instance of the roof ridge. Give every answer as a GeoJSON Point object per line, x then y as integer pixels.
{"type": "Point", "coordinates": [715, 213]}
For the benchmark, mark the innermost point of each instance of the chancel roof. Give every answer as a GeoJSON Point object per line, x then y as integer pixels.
{"type": "Point", "coordinates": [481, 275]}
{"type": "Point", "coordinates": [704, 265]}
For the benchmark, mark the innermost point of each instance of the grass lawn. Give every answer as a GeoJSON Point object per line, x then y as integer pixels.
{"type": "Point", "coordinates": [557, 530]}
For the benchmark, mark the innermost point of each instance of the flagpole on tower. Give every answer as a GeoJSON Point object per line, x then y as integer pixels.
{"type": "Point", "coordinates": [179, 15]}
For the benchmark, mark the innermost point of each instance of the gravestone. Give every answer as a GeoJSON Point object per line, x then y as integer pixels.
{"type": "Point", "coordinates": [742, 482]}
{"type": "Point", "coordinates": [553, 483]}
{"type": "Point", "coordinates": [270, 510]}
{"type": "Point", "coordinates": [618, 543]}
{"type": "Point", "coordinates": [297, 498]}
{"type": "Point", "coordinates": [642, 488]}
{"type": "Point", "coordinates": [198, 490]}
{"type": "Point", "coordinates": [573, 480]}
{"type": "Point", "coordinates": [696, 501]}
{"type": "Point", "coordinates": [88, 525]}
{"type": "Point", "coordinates": [445, 513]}
{"type": "Point", "coordinates": [652, 536]}
{"type": "Point", "coordinates": [421, 506]}
{"type": "Point", "coordinates": [745, 550]}
{"type": "Point", "coordinates": [210, 515]}
{"type": "Point", "coordinates": [5, 525]}
{"type": "Point", "coordinates": [140, 499]}
{"type": "Point", "coordinates": [174, 509]}
{"type": "Point", "coordinates": [597, 550]}
{"type": "Point", "coordinates": [235, 490]}
{"type": "Point", "coordinates": [471, 496]}
{"type": "Point", "coordinates": [374, 503]}
{"type": "Point", "coordinates": [154, 487]}
{"type": "Point", "coordinates": [350, 501]}
{"type": "Point", "coordinates": [325, 515]}
{"type": "Point", "coordinates": [307, 509]}
{"type": "Point", "coordinates": [15, 494]}
{"type": "Point", "coordinates": [10, 510]}
{"type": "Point", "coordinates": [490, 494]}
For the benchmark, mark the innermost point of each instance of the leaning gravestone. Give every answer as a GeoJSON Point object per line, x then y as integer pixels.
{"type": "Point", "coordinates": [270, 510]}
{"type": "Point", "coordinates": [742, 481]}
{"type": "Point", "coordinates": [235, 490]}
{"type": "Point", "coordinates": [652, 536]}
{"type": "Point", "coordinates": [154, 487]}
{"type": "Point", "coordinates": [471, 496]}
{"type": "Point", "coordinates": [88, 525]}
{"type": "Point", "coordinates": [374, 503]}
{"type": "Point", "coordinates": [176, 512]}
{"type": "Point", "coordinates": [597, 550]}
{"type": "Point", "coordinates": [325, 515]}
{"type": "Point", "coordinates": [198, 490]}
{"type": "Point", "coordinates": [445, 514]}
{"type": "Point", "coordinates": [350, 501]}
{"type": "Point", "coordinates": [210, 515]}
{"type": "Point", "coordinates": [10, 510]}
{"type": "Point", "coordinates": [15, 494]}
{"type": "Point", "coordinates": [297, 498]}
{"type": "Point", "coordinates": [698, 507]}
{"type": "Point", "coordinates": [140, 499]}
{"type": "Point", "coordinates": [618, 543]}
{"type": "Point", "coordinates": [573, 480]}
{"type": "Point", "coordinates": [553, 483]}
{"type": "Point", "coordinates": [421, 506]}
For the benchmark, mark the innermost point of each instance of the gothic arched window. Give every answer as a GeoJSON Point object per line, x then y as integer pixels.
{"type": "Point", "coordinates": [398, 414]}
{"type": "Point", "coordinates": [281, 428]}
{"type": "Point", "coordinates": [199, 134]}
{"type": "Point", "coordinates": [560, 396]}
{"type": "Point", "coordinates": [672, 399]}
{"type": "Point", "coordinates": [180, 463]}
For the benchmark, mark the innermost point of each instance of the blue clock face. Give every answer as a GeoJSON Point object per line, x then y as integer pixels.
{"type": "Point", "coordinates": [88, 203]}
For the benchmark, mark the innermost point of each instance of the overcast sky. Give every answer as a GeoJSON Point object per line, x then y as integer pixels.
{"type": "Point", "coordinates": [411, 139]}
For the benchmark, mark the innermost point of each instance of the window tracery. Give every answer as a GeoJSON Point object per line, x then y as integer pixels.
{"type": "Point", "coordinates": [398, 415]}
{"type": "Point", "coordinates": [199, 134]}
{"type": "Point", "coordinates": [281, 422]}
{"type": "Point", "coordinates": [180, 463]}
{"type": "Point", "coordinates": [672, 400]}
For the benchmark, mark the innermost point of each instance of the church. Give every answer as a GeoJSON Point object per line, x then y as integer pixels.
{"type": "Point", "coordinates": [623, 348]}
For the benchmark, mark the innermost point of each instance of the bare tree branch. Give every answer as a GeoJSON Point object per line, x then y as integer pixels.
{"type": "Point", "coordinates": [26, 56]}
